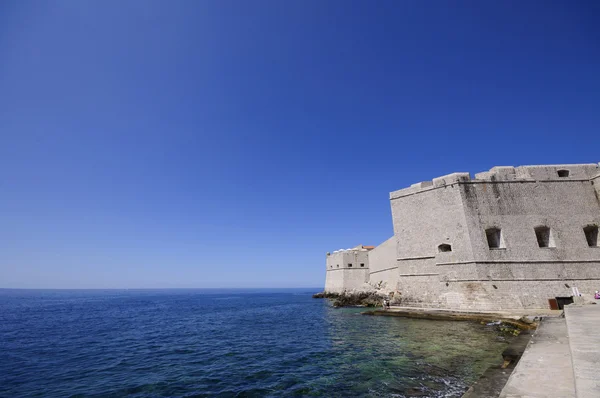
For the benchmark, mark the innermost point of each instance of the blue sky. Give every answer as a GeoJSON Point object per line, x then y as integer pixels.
{"type": "Point", "coordinates": [233, 143]}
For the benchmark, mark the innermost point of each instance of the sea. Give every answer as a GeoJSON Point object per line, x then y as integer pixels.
{"type": "Point", "coordinates": [228, 343]}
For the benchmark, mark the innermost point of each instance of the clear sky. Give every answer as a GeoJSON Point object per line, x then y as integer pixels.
{"type": "Point", "coordinates": [233, 143]}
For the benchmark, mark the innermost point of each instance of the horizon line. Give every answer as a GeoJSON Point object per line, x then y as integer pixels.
{"type": "Point", "coordinates": [151, 288]}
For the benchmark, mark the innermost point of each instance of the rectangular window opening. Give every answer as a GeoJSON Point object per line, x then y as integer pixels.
{"type": "Point", "coordinates": [349, 265]}
{"type": "Point", "coordinates": [591, 235]}
{"type": "Point", "coordinates": [544, 237]}
{"type": "Point", "coordinates": [362, 264]}
{"type": "Point", "coordinates": [494, 238]}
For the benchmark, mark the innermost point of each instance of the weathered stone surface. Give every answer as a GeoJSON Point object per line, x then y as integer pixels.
{"type": "Point", "coordinates": [360, 298]}
{"type": "Point", "coordinates": [501, 320]}
{"type": "Point", "coordinates": [346, 269]}
{"type": "Point", "coordinates": [447, 256]}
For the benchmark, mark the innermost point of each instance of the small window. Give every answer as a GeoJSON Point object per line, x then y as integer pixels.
{"type": "Point", "coordinates": [444, 247]}
{"type": "Point", "coordinates": [338, 265]}
{"type": "Point", "coordinates": [362, 264]}
{"type": "Point", "coordinates": [494, 238]}
{"type": "Point", "coordinates": [349, 265]}
{"type": "Point", "coordinates": [563, 173]}
{"type": "Point", "coordinates": [544, 237]}
{"type": "Point", "coordinates": [591, 235]}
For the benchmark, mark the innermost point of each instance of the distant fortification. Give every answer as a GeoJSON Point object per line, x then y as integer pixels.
{"type": "Point", "coordinates": [347, 269]}
{"type": "Point", "coordinates": [513, 237]}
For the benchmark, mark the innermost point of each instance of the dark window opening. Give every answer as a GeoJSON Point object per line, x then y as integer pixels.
{"type": "Point", "coordinates": [447, 284]}
{"type": "Point", "coordinates": [563, 173]}
{"type": "Point", "coordinates": [591, 235]}
{"type": "Point", "coordinates": [362, 264]}
{"type": "Point", "coordinates": [444, 247]}
{"type": "Point", "coordinates": [567, 286]}
{"type": "Point", "coordinates": [495, 287]}
{"type": "Point", "coordinates": [494, 238]}
{"type": "Point", "coordinates": [338, 265]}
{"type": "Point", "coordinates": [544, 237]}
{"type": "Point", "coordinates": [349, 265]}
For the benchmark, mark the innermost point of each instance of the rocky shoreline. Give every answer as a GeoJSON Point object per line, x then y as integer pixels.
{"type": "Point", "coordinates": [354, 298]}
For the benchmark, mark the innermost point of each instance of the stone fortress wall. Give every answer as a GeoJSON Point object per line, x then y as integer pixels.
{"type": "Point", "coordinates": [347, 269]}
{"type": "Point", "coordinates": [382, 264]}
{"type": "Point", "coordinates": [509, 238]}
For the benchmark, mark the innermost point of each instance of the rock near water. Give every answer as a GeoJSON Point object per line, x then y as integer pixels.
{"type": "Point", "coordinates": [354, 298]}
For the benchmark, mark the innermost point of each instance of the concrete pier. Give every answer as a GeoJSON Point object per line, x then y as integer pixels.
{"type": "Point", "coordinates": [583, 325]}
{"type": "Point", "coordinates": [562, 358]}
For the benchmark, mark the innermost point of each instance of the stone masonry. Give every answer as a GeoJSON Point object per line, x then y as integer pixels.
{"type": "Point", "coordinates": [347, 269]}
{"type": "Point", "coordinates": [511, 238]}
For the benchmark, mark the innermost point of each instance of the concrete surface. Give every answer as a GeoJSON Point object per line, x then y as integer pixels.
{"type": "Point", "coordinates": [583, 324]}
{"type": "Point", "coordinates": [545, 369]}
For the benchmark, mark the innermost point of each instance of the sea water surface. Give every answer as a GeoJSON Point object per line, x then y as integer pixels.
{"type": "Point", "coordinates": [226, 343]}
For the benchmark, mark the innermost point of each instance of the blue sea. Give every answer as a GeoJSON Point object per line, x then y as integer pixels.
{"type": "Point", "coordinates": [228, 343]}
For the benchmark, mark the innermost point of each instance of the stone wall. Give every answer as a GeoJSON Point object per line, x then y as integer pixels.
{"type": "Point", "coordinates": [425, 217]}
{"type": "Point", "coordinates": [383, 267]}
{"type": "Point", "coordinates": [452, 213]}
{"type": "Point", "coordinates": [511, 238]}
{"type": "Point", "coordinates": [482, 295]}
{"type": "Point", "coordinates": [518, 207]}
{"type": "Point", "coordinates": [346, 270]}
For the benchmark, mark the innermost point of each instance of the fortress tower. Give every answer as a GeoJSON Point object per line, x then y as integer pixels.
{"type": "Point", "coordinates": [347, 269]}
{"type": "Point", "coordinates": [512, 237]}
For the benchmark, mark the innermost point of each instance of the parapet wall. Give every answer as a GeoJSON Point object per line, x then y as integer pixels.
{"type": "Point", "coordinates": [508, 173]}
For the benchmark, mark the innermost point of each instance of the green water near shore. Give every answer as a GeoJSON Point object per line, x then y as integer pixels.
{"type": "Point", "coordinates": [413, 357]}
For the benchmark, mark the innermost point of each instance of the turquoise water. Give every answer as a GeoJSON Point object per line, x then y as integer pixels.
{"type": "Point", "coordinates": [216, 343]}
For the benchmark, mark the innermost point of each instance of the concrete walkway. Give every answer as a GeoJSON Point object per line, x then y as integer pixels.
{"type": "Point", "coordinates": [583, 324]}
{"type": "Point", "coordinates": [545, 369]}
{"type": "Point", "coordinates": [562, 359]}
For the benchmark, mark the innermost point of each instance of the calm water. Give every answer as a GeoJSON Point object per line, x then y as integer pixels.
{"type": "Point", "coordinates": [201, 343]}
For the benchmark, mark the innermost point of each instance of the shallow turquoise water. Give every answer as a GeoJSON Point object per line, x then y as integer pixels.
{"type": "Point", "coordinates": [228, 343]}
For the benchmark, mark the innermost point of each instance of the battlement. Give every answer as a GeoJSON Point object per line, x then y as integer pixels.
{"type": "Point", "coordinates": [540, 173]}
{"type": "Point", "coordinates": [560, 172]}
